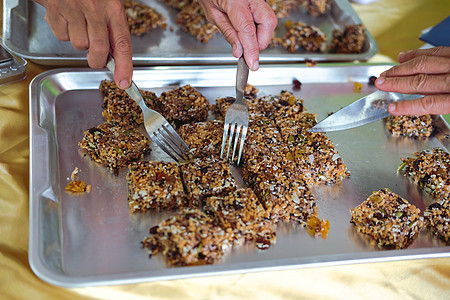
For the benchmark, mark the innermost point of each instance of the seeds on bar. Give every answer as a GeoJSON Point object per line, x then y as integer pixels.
{"type": "Point", "coordinates": [390, 220]}
{"type": "Point", "coordinates": [154, 185]}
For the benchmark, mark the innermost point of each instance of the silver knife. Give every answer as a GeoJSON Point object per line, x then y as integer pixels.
{"type": "Point", "coordinates": [368, 109]}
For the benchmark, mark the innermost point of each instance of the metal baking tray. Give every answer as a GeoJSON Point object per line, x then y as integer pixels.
{"type": "Point", "coordinates": [92, 239]}
{"type": "Point", "coordinates": [26, 33]}
{"type": "Point", "coordinates": [12, 68]}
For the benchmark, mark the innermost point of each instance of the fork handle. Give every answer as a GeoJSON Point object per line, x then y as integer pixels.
{"type": "Point", "coordinates": [133, 90]}
{"type": "Point", "coordinates": [241, 79]}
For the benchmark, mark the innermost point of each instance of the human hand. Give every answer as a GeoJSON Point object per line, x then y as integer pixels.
{"type": "Point", "coordinates": [247, 25]}
{"type": "Point", "coordinates": [99, 26]}
{"type": "Point", "coordinates": [425, 72]}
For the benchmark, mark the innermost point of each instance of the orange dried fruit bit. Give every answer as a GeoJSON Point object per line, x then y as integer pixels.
{"type": "Point", "coordinates": [324, 228]}
{"type": "Point", "coordinates": [77, 186]}
{"type": "Point", "coordinates": [310, 63]}
{"type": "Point", "coordinates": [288, 24]}
{"type": "Point", "coordinates": [357, 87]}
{"type": "Point", "coordinates": [317, 227]}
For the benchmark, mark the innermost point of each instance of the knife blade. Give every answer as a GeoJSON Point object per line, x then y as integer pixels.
{"type": "Point", "coordinates": [368, 109]}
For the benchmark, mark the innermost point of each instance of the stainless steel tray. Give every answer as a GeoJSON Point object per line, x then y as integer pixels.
{"type": "Point", "coordinates": [92, 239]}
{"type": "Point", "coordinates": [12, 68]}
{"type": "Point", "coordinates": [26, 33]}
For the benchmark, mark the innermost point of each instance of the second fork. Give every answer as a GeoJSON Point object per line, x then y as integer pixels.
{"type": "Point", "coordinates": [236, 118]}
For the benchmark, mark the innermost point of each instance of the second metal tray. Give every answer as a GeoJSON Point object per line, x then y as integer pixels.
{"type": "Point", "coordinates": [92, 239]}
{"type": "Point", "coordinates": [26, 33]}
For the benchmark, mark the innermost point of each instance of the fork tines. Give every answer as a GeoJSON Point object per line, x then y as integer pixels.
{"type": "Point", "coordinates": [235, 134]}
{"type": "Point", "coordinates": [170, 142]}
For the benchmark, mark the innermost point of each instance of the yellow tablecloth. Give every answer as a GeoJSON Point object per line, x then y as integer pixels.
{"type": "Point", "coordinates": [395, 24]}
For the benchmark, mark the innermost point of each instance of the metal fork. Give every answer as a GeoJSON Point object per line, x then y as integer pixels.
{"type": "Point", "coordinates": [236, 118]}
{"type": "Point", "coordinates": [159, 130]}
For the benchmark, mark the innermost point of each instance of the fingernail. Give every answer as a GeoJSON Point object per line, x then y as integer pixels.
{"type": "Point", "coordinates": [404, 52]}
{"type": "Point", "coordinates": [380, 80]}
{"type": "Point", "coordinates": [255, 66]}
{"type": "Point", "coordinates": [392, 107]}
{"type": "Point", "coordinates": [123, 84]}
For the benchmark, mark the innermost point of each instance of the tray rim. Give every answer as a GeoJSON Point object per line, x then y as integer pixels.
{"type": "Point", "coordinates": [37, 262]}
{"type": "Point", "coordinates": [192, 59]}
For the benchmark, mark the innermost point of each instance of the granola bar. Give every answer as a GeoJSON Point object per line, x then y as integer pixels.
{"type": "Point", "coordinates": [437, 218]}
{"type": "Point", "coordinates": [314, 154]}
{"type": "Point", "coordinates": [350, 40]}
{"type": "Point", "coordinates": [263, 144]}
{"type": "Point", "coordinates": [272, 107]}
{"type": "Point", "coordinates": [203, 138]}
{"type": "Point", "coordinates": [315, 157]}
{"type": "Point", "coordinates": [283, 192]}
{"type": "Point", "coordinates": [114, 146]}
{"type": "Point", "coordinates": [189, 238]}
{"type": "Point", "coordinates": [184, 105]}
{"type": "Point", "coordinates": [192, 20]}
{"type": "Point", "coordinates": [241, 211]}
{"type": "Point", "coordinates": [390, 220]}
{"type": "Point", "coordinates": [316, 7]}
{"type": "Point", "coordinates": [154, 185]}
{"type": "Point", "coordinates": [222, 104]}
{"type": "Point", "coordinates": [178, 4]}
{"type": "Point", "coordinates": [307, 37]}
{"type": "Point", "coordinates": [206, 177]}
{"type": "Point", "coordinates": [119, 108]}
{"type": "Point", "coordinates": [430, 169]}
{"type": "Point", "coordinates": [410, 126]}
{"type": "Point", "coordinates": [250, 91]}
{"type": "Point", "coordinates": [282, 8]}
{"type": "Point", "coordinates": [142, 18]}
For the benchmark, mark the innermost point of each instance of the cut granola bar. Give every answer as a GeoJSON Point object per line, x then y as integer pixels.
{"type": "Point", "coordinates": [189, 238]}
{"type": "Point", "coordinates": [410, 126]}
{"type": "Point", "coordinates": [437, 218]}
{"type": "Point", "coordinates": [154, 185]}
{"type": "Point", "coordinates": [316, 158]}
{"type": "Point", "coordinates": [193, 21]}
{"type": "Point", "coordinates": [307, 37]}
{"type": "Point", "coordinates": [430, 169]}
{"type": "Point", "coordinates": [283, 192]}
{"type": "Point", "coordinates": [388, 219]}
{"type": "Point", "coordinates": [142, 18]}
{"type": "Point", "coordinates": [114, 146]}
{"type": "Point", "coordinates": [203, 138]}
{"type": "Point", "coordinates": [350, 40]}
{"type": "Point", "coordinates": [282, 8]}
{"type": "Point", "coordinates": [316, 7]}
{"type": "Point", "coordinates": [184, 105]}
{"type": "Point", "coordinates": [178, 4]}
{"type": "Point", "coordinates": [241, 211]}
{"type": "Point", "coordinates": [118, 107]}
{"type": "Point", "coordinates": [263, 144]}
{"type": "Point", "coordinates": [205, 177]}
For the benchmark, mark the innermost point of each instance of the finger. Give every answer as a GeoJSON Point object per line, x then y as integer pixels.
{"type": "Point", "coordinates": [420, 65]}
{"type": "Point", "coordinates": [56, 21]}
{"type": "Point", "coordinates": [417, 84]}
{"type": "Point", "coordinates": [98, 43]}
{"type": "Point", "coordinates": [78, 31]}
{"type": "Point", "coordinates": [242, 20]}
{"type": "Point", "coordinates": [121, 49]}
{"type": "Point", "coordinates": [58, 25]}
{"type": "Point", "coordinates": [221, 20]}
{"type": "Point", "coordinates": [431, 104]}
{"type": "Point", "coordinates": [436, 51]}
{"type": "Point", "coordinates": [265, 20]}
